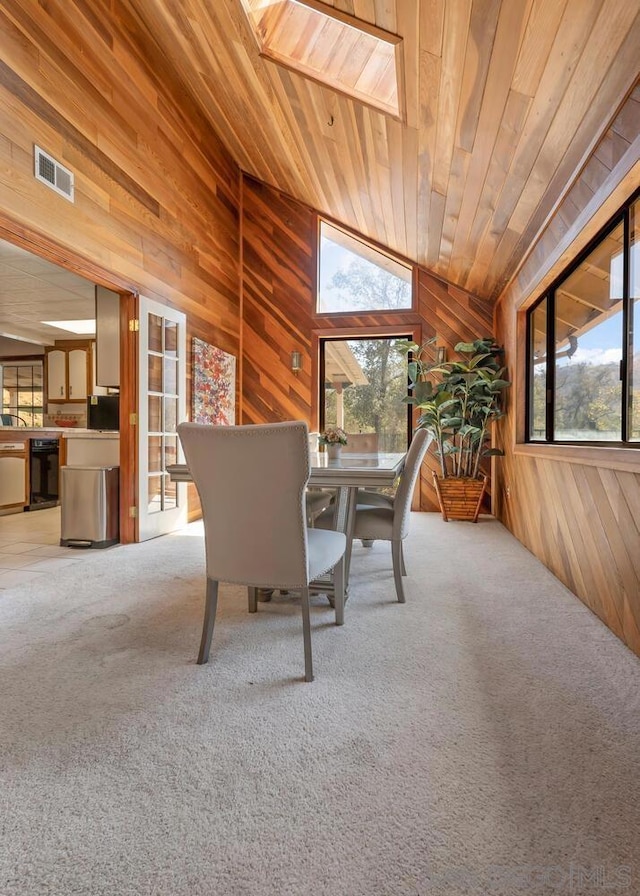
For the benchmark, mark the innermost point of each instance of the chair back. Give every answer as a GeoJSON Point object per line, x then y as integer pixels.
{"type": "Point", "coordinates": [251, 482]}
{"type": "Point", "coordinates": [404, 492]}
{"type": "Point", "coordinates": [361, 443]}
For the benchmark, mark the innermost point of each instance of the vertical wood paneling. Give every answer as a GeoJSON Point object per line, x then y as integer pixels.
{"type": "Point", "coordinates": [582, 519]}
{"type": "Point", "coordinates": [278, 275]}
{"type": "Point", "coordinates": [277, 254]}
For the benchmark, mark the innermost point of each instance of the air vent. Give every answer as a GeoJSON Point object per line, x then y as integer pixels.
{"type": "Point", "coordinates": [53, 174]}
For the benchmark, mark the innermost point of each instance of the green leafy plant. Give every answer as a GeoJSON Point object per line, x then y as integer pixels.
{"type": "Point", "coordinates": [458, 400]}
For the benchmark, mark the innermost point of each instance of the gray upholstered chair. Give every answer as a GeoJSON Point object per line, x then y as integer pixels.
{"type": "Point", "coordinates": [316, 501]}
{"type": "Point", "coordinates": [386, 518]}
{"type": "Point", "coordinates": [319, 499]}
{"type": "Point", "coordinates": [251, 481]}
{"type": "Point", "coordinates": [361, 443]}
{"type": "Point", "coordinates": [389, 520]}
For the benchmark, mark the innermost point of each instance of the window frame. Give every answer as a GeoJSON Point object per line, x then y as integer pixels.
{"type": "Point", "coordinates": [338, 336]}
{"type": "Point", "coordinates": [397, 331]}
{"type": "Point", "coordinates": [621, 216]}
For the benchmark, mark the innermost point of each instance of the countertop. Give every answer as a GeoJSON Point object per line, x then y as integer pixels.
{"type": "Point", "coordinates": [66, 432]}
{"type": "Point", "coordinates": [76, 433]}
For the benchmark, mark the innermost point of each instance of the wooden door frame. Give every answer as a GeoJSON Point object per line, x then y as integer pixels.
{"type": "Point", "coordinates": [128, 418]}
{"type": "Point", "coordinates": [44, 247]}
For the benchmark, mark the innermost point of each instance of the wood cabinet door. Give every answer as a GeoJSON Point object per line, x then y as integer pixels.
{"type": "Point", "coordinates": [13, 481]}
{"type": "Point", "coordinates": [77, 390]}
{"type": "Point", "coordinates": [57, 375]}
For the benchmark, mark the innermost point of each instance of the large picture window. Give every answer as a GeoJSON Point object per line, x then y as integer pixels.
{"type": "Point", "coordinates": [584, 347]}
{"type": "Point", "coordinates": [364, 381]}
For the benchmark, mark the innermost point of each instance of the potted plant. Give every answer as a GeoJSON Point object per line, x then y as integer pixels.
{"type": "Point", "coordinates": [333, 439]}
{"type": "Point", "coordinates": [458, 401]}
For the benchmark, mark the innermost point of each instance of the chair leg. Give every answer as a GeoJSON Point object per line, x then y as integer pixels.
{"type": "Point", "coordinates": [403, 568]}
{"type": "Point", "coordinates": [306, 632]}
{"type": "Point", "coordinates": [253, 599]}
{"type": "Point", "coordinates": [338, 591]}
{"type": "Point", "coordinates": [209, 619]}
{"type": "Point", "coordinates": [396, 554]}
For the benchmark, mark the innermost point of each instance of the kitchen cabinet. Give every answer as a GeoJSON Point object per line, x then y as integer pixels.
{"type": "Point", "coordinates": [107, 347]}
{"type": "Point", "coordinates": [92, 449]}
{"type": "Point", "coordinates": [69, 370]}
{"type": "Point", "coordinates": [14, 492]}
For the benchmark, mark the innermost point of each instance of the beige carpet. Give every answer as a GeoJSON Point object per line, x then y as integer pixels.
{"type": "Point", "coordinates": [483, 738]}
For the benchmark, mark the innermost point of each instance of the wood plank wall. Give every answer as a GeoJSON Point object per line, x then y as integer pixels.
{"type": "Point", "coordinates": [578, 513]}
{"type": "Point", "coordinates": [156, 195]}
{"type": "Point", "coordinates": [278, 273]}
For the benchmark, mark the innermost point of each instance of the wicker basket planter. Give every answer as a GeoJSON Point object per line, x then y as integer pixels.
{"type": "Point", "coordinates": [459, 499]}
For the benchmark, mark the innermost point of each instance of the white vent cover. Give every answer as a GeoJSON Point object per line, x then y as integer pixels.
{"type": "Point", "coordinates": [53, 174]}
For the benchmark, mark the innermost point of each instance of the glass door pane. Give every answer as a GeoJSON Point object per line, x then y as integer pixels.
{"type": "Point", "coordinates": [162, 406]}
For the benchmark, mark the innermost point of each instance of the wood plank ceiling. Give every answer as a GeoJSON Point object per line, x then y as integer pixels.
{"type": "Point", "coordinates": [503, 101]}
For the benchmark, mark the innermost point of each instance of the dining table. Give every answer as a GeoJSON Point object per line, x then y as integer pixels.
{"type": "Point", "coordinates": [345, 474]}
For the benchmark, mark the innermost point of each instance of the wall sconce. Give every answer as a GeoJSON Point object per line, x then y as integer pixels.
{"type": "Point", "coordinates": [441, 354]}
{"type": "Point", "coordinates": [296, 361]}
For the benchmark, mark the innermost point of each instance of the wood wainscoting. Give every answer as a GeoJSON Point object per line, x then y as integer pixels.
{"type": "Point", "coordinates": [583, 522]}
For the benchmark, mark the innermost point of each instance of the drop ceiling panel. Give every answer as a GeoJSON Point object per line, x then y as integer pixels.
{"type": "Point", "coordinates": [33, 290]}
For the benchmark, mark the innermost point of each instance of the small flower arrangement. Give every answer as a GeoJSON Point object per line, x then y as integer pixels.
{"type": "Point", "coordinates": [334, 436]}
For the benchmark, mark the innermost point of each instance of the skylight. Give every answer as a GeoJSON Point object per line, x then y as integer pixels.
{"type": "Point", "coordinates": [331, 47]}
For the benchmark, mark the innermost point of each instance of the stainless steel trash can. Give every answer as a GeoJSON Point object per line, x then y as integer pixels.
{"type": "Point", "coordinates": [89, 499]}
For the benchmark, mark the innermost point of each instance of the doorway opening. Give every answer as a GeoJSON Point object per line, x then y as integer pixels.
{"type": "Point", "coordinates": [47, 323]}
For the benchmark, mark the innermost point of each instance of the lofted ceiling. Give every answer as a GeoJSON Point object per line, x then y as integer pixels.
{"type": "Point", "coordinates": [500, 102]}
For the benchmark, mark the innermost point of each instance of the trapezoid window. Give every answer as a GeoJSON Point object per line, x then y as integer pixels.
{"type": "Point", "coordinates": [354, 276]}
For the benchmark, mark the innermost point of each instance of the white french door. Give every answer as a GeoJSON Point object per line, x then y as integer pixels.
{"type": "Point", "coordinates": [162, 378]}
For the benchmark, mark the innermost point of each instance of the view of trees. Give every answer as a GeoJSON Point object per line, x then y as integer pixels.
{"type": "Point", "coordinates": [378, 406]}
{"type": "Point", "coordinates": [588, 396]}
{"type": "Point", "coordinates": [588, 401]}
{"type": "Point", "coordinates": [369, 286]}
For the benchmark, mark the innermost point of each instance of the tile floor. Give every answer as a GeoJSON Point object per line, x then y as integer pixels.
{"type": "Point", "coordinates": [30, 547]}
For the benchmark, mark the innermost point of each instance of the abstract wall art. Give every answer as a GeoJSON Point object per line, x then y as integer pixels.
{"type": "Point", "coordinates": [214, 385]}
